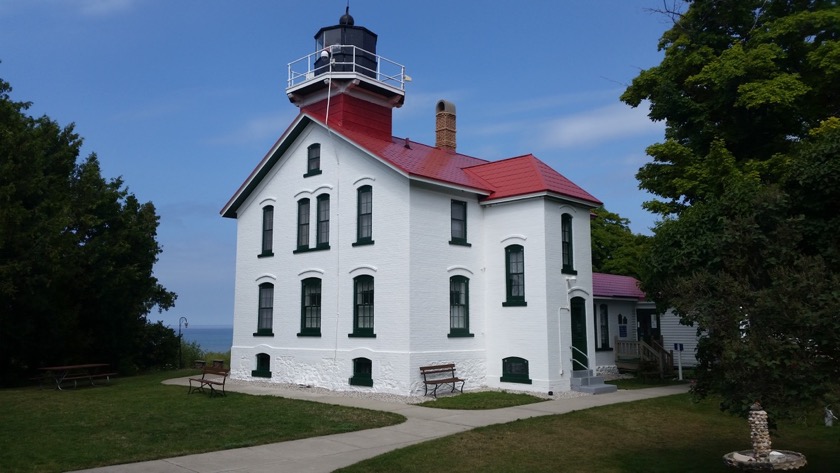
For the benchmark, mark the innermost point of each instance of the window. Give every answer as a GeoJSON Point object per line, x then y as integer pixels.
{"type": "Point", "coordinates": [363, 307]}
{"type": "Point", "coordinates": [322, 231]}
{"type": "Point", "coordinates": [263, 366]}
{"type": "Point", "coordinates": [362, 372]}
{"type": "Point", "coordinates": [622, 326]}
{"type": "Point", "coordinates": [515, 276]}
{"type": "Point", "coordinates": [310, 310]}
{"type": "Point", "coordinates": [313, 160]}
{"type": "Point", "coordinates": [459, 307]}
{"type": "Point", "coordinates": [515, 370]}
{"type": "Point", "coordinates": [603, 324]}
{"type": "Point", "coordinates": [303, 225]}
{"type": "Point", "coordinates": [267, 231]}
{"type": "Point", "coordinates": [265, 314]}
{"type": "Point", "coordinates": [459, 223]}
{"type": "Point", "coordinates": [566, 231]}
{"type": "Point", "coordinates": [364, 216]}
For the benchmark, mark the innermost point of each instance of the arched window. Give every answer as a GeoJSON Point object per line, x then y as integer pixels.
{"type": "Point", "coordinates": [364, 216]}
{"type": "Point", "coordinates": [459, 307]}
{"type": "Point", "coordinates": [322, 231]}
{"type": "Point", "coordinates": [310, 308]}
{"type": "Point", "coordinates": [265, 313]}
{"type": "Point", "coordinates": [313, 160]}
{"type": "Point", "coordinates": [263, 366]}
{"type": "Point", "coordinates": [362, 372]}
{"type": "Point", "coordinates": [515, 276]}
{"type": "Point", "coordinates": [515, 370]}
{"type": "Point", "coordinates": [568, 248]}
{"type": "Point", "coordinates": [363, 307]}
{"type": "Point", "coordinates": [267, 231]}
{"type": "Point", "coordinates": [303, 225]}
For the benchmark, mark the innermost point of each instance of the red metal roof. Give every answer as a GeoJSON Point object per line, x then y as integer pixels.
{"type": "Point", "coordinates": [611, 285]}
{"type": "Point", "coordinates": [512, 177]}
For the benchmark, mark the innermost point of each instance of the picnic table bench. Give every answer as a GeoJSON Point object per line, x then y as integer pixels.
{"type": "Point", "coordinates": [437, 375]}
{"type": "Point", "coordinates": [211, 377]}
{"type": "Point", "coordinates": [88, 371]}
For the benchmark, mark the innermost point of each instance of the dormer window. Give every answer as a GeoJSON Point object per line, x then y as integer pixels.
{"type": "Point", "coordinates": [313, 160]}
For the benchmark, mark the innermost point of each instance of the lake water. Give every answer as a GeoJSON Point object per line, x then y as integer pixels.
{"type": "Point", "coordinates": [211, 338]}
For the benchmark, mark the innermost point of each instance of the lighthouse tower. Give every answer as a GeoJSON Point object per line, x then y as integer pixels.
{"type": "Point", "coordinates": [346, 81]}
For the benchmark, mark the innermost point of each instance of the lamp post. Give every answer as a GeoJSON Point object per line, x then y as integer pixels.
{"type": "Point", "coordinates": [182, 320]}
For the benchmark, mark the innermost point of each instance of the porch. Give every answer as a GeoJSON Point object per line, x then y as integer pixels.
{"type": "Point", "coordinates": [645, 359]}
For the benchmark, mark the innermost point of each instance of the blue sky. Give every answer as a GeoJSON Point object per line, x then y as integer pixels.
{"type": "Point", "coordinates": [182, 98]}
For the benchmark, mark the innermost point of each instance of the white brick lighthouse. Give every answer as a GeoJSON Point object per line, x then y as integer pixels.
{"type": "Point", "coordinates": [362, 256]}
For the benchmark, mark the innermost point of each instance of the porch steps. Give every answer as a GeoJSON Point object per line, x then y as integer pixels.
{"type": "Point", "coordinates": [585, 381]}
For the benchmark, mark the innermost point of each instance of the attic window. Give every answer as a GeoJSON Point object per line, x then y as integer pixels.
{"type": "Point", "coordinates": [313, 160]}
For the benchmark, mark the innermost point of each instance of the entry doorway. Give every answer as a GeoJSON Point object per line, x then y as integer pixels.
{"type": "Point", "coordinates": [578, 319]}
{"type": "Point", "coordinates": [647, 323]}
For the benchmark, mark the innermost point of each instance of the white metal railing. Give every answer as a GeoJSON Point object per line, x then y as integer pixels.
{"type": "Point", "coordinates": [585, 366]}
{"type": "Point", "coordinates": [385, 70]}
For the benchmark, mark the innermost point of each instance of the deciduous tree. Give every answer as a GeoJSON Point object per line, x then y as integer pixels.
{"type": "Point", "coordinates": [76, 252]}
{"type": "Point", "coordinates": [747, 183]}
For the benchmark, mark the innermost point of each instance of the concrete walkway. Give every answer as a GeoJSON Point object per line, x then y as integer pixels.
{"type": "Point", "coordinates": [325, 454]}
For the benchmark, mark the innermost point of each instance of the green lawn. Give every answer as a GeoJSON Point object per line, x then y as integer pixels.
{"type": "Point", "coordinates": [670, 434]}
{"type": "Point", "coordinates": [138, 418]}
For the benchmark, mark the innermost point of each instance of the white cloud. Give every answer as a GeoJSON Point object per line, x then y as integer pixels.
{"type": "Point", "coordinates": [597, 126]}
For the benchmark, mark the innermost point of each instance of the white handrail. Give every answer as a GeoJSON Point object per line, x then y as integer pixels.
{"type": "Point", "coordinates": [387, 71]}
{"type": "Point", "coordinates": [586, 366]}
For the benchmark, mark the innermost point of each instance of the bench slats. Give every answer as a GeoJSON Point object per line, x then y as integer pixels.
{"type": "Point", "coordinates": [220, 374]}
{"type": "Point", "coordinates": [434, 371]}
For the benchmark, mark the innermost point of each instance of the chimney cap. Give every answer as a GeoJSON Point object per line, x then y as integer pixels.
{"type": "Point", "coordinates": [445, 106]}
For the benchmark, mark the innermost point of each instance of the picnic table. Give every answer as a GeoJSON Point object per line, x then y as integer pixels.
{"type": "Point", "coordinates": [88, 371]}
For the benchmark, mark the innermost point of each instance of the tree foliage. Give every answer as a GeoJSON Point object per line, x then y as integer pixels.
{"type": "Point", "coordinates": [76, 252]}
{"type": "Point", "coordinates": [615, 248]}
{"type": "Point", "coordinates": [748, 180]}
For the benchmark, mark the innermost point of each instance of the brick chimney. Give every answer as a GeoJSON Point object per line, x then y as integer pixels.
{"type": "Point", "coordinates": [445, 125]}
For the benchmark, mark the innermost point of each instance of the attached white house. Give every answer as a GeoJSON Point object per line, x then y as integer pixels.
{"type": "Point", "coordinates": [623, 318]}
{"type": "Point", "coordinates": [362, 256]}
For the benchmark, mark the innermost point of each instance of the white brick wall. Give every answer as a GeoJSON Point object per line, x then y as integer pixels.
{"type": "Point", "coordinates": [411, 262]}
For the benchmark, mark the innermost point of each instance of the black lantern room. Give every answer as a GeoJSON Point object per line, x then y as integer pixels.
{"type": "Point", "coordinates": [347, 47]}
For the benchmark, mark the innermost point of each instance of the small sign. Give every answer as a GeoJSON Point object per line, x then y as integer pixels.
{"type": "Point", "coordinates": [622, 331]}
{"type": "Point", "coordinates": [678, 347]}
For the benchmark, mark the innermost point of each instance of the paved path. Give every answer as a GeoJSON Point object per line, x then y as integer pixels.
{"type": "Point", "coordinates": [325, 454]}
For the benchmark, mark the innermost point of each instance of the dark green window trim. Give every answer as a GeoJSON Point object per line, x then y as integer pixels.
{"type": "Point", "coordinates": [309, 250]}
{"type": "Point", "coordinates": [322, 222]}
{"type": "Point", "coordinates": [363, 307]}
{"type": "Point", "coordinates": [567, 245]}
{"type": "Point", "coordinates": [264, 333]}
{"type": "Point", "coordinates": [601, 321]}
{"type": "Point", "coordinates": [310, 308]}
{"type": "Point", "coordinates": [515, 370]}
{"type": "Point", "coordinates": [362, 376]}
{"type": "Point", "coordinates": [514, 276]}
{"type": "Point", "coordinates": [263, 366]}
{"type": "Point", "coordinates": [364, 216]}
{"type": "Point", "coordinates": [313, 160]}
{"type": "Point", "coordinates": [265, 309]}
{"type": "Point", "coordinates": [267, 232]}
{"type": "Point", "coordinates": [303, 225]}
{"type": "Point", "coordinates": [459, 307]}
{"type": "Point", "coordinates": [458, 223]}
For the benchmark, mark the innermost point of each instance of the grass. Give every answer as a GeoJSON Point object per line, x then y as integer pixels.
{"type": "Point", "coordinates": [137, 418]}
{"type": "Point", "coordinates": [482, 400]}
{"type": "Point", "coordinates": [666, 434]}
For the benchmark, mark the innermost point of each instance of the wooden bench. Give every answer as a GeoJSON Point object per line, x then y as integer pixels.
{"type": "Point", "coordinates": [436, 375]}
{"type": "Point", "coordinates": [212, 378]}
{"type": "Point", "coordinates": [61, 374]}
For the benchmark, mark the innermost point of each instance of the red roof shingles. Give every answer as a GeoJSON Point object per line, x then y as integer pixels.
{"type": "Point", "coordinates": [500, 179]}
{"type": "Point", "coordinates": [611, 285]}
